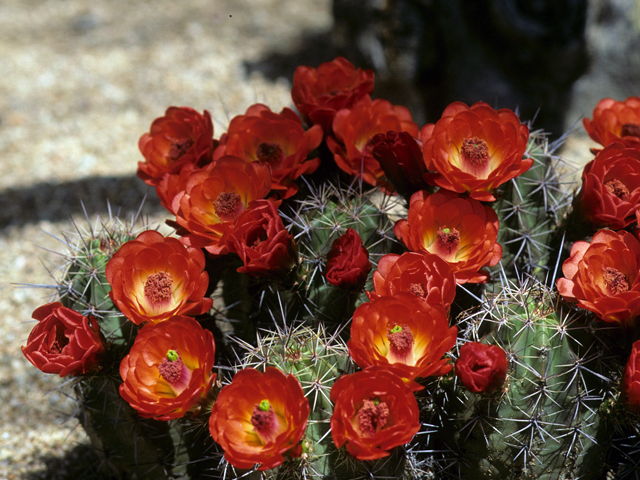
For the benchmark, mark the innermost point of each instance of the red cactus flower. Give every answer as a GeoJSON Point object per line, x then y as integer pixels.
{"type": "Point", "coordinates": [404, 333]}
{"type": "Point", "coordinates": [348, 262]}
{"type": "Point", "coordinates": [319, 93]}
{"type": "Point", "coordinates": [64, 341]}
{"type": "Point", "coordinates": [427, 276]}
{"type": "Point", "coordinates": [631, 380]}
{"type": "Point", "coordinates": [460, 230]}
{"type": "Point", "coordinates": [354, 130]}
{"type": "Point", "coordinates": [214, 196]}
{"type": "Point", "coordinates": [475, 149]}
{"type": "Point", "coordinates": [181, 137]}
{"type": "Point", "coordinates": [374, 412]}
{"type": "Point", "coordinates": [168, 369]}
{"type": "Point", "coordinates": [615, 122]}
{"type": "Point", "coordinates": [154, 278]}
{"type": "Point", "coordinates": [482, 368]}
{"type": "Point", "coordinates": [277, 140]}
{"type": "Point", "coordinates": [604, 276]}
{"type": "Point", "coordinates": [610, 193]}
{"type": "Point", "coordinates": [258, 418]}
{"type": "Point", "coordinates": [400, 157]}
{"type": "Point", "coordinates": [260, 239]}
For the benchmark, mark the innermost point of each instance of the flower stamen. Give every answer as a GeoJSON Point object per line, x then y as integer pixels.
{"type": "Point", "coordinates": [228, 206]}
{"type": "Point", "coordinates": [418, 290]}
{"type": "Point", "coordinates": [617, 188]}
{"type": "Point", "coordinates": [372, 416]}
{"type": "Point", "coordinates": [171, 367]}
{"type": "Point", "coordinates": [475, 151]}
{"type": "Point", "coordinates": [615, 280]}
{"type": "Point", "coordinates": [263, 417]}
{"type": "Point", "coordinates": [400, 339]}
{"type": "Point", "coordinates": [157, 288]}
{"type": "Point", "coordinates": [630, 130]}
{"type": "Point", "coordinates": [270, 153]}
{"type": "Point", "coordinates": [448, 239]}
{"type": "Point", "coordinates": [179, 148]}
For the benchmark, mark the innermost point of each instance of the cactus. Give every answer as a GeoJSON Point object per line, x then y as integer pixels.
{"type": "Point", "coordinates": [544, 422]}
{"type": "Point", "coordinates": [321, 218]}
{"type": "Point", "coordinates": [530, 209]}
{"type": "Point", "coordinates": [559, 415]}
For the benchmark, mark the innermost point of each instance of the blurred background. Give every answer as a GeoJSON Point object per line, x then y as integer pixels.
{"type": "Point", "coordinates": [81, 80]}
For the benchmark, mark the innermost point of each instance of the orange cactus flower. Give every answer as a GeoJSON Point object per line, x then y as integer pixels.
{"type": "Point", "coordinates": [603, 276]}
{"type": "Point", "coordinates": [168, 369]}
{"type": "Point", "coordinates": [475, 149]}
{"type": "Point", "coordinates": [214, 196]}
{"type": "Point", "coordinates": [320, 93]}
{"type": "Point", "coordinates": [354, 130]}
{"type": "Point", "coordinates": [610, 193]}
{"type": "Point", "coordinates": [154, 278]}
{"type": "Point", "coordinates": [64, 341]}
{"type": "Point", "coordinates": [258, 418]}
{"type": "Point", "coordinates": [404, 333]}
{"type": "Point", "coordinates": [374, 412]}
{"type": "Point", "coordinates": [277, 140]}
{"type": "Point", "coordinates": [426, 275]}
{"type": "Point", "coordinates": [615, 122]}
{"type": "Point", "coordinates": [181, 137]}
{"type": "Point", "coordinates": [460, 230]}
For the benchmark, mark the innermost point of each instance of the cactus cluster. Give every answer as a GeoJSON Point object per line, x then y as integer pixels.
{"type": "Point", "coordinates": [300, 274]}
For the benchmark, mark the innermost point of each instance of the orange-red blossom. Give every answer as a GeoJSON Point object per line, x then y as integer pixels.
{"type": "Point", "coordinates": [168, 369]}
{"type": "Point", "coordinates": [259, 417]}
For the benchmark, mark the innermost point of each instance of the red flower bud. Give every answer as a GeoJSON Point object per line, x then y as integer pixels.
{"type": "Point", "coordinates": [64, 341]}
{"type": "Point", "coordinates": [400, 156]}
{"type": "Point", "coordinates": [348, 262]}
{"type": "Point", "coordinates": [482, 368]}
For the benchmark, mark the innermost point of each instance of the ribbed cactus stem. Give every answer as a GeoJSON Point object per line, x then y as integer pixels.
{"type": "Point", "coordinates": [544, 423]}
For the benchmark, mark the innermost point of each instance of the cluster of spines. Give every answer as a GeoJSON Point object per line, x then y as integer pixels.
{"type": "Point", "coordinates": [544, 423]}
{"type": "Point", "coordinates": [530, 207]}
{"type": "Point", "coordinates": [322, 217]}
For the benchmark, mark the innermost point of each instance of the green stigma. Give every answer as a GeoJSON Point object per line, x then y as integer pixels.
{"type": "Point", "coordinates": [376, 401]}
{"type": "Point", "coordinates": [396, 329]}
{"type": "Point", "coordinates": [172, 355]}
{"type": "Point", "coordinates": [446, 231]}
{"type": "Point", "coordinates": [264, 406]}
